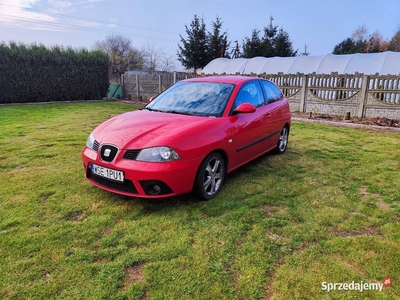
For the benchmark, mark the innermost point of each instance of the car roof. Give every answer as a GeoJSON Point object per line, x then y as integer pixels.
{"type": "Point", "coordinates": [223, 79]}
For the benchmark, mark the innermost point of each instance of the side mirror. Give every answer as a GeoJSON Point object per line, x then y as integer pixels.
{"type": "Point", "coordinates": [245, 108]}
{"type": "Point", "coordinates": [152, 98]}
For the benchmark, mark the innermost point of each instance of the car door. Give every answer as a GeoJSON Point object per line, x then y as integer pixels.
{"type": "Point", "coordinates": [273, 95]}
{"type": "Point", "coordinates": [249, 132]}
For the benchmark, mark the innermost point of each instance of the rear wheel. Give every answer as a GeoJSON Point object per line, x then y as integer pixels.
{"type": "Point", "coordinates": [283, 140]}
{"type": "Point", "coordinates": [210, 176]}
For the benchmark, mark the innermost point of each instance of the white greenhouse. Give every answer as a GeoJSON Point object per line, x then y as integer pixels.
{"type": "Point", "coordinates": [383, 63]}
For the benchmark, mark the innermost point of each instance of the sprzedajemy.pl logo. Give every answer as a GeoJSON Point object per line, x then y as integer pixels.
{"type": "Point", "coordinates": [356, 286]}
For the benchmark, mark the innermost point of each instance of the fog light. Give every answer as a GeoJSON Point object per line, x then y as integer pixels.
{"type": "Point", "coordinates": [157, 189]}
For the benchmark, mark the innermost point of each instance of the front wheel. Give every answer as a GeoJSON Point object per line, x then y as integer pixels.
{"type": "Point", "coordinates": [210, 176]}
{"type": "Point", "coordinates": [283, 140]}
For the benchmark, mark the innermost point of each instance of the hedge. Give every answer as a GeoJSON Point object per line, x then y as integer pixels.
{"type": "Point", "coordinates": [38, 74]}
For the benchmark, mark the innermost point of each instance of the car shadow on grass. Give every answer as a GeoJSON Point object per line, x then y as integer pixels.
{"type": "Point", "coordinates": [232, 195]}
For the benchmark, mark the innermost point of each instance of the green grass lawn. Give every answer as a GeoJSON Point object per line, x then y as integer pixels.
{"type": "Point", "coordinates": [327, 210]}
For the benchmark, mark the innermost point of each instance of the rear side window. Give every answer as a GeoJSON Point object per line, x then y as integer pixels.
{"type": "Point", "coordinates": [271, 91]}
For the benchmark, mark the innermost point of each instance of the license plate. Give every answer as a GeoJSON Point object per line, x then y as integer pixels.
{"type": "Point", "coordinates": [108, 173]}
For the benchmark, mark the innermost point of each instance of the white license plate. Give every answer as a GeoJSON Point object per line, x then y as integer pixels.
{"type": "Point", "coordinates": [108, 173]}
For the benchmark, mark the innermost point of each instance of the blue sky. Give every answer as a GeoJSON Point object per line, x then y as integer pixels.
{"type": "Point", "coordinates": [320, 24]}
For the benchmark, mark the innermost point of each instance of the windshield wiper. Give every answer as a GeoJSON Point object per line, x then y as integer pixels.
{"type": "Point", "coordinates": [168, 111]}
{"type": "Point", "coordinates": [152, 109]}
{"type": "Point", "coordinates": [178, 112]}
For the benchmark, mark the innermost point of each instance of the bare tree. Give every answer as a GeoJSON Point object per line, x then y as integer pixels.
{"type": "Point", "coordinates": [123, 56]}
{"type": "Point", "coordinates": [362, 42]}
{"type": "Point", "coordinates": [377, 43]}
{"type": "Point", "coordinates": [360, 34]}
{"type": "Point", "coordinates": [156, 60]}
{"type": "Point", "coordinates": [305, 52]}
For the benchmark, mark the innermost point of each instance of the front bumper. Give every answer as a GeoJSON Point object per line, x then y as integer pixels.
{"type": "Point", "coordinates": [144, 179]}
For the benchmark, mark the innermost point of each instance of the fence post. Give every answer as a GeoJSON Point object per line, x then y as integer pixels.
{"type": "Point", "coordinates": [123, 85]}
{"type": "Point", "coordinates": [137, 87]}
{"type": "Point", "coordinates": [175, 77]}
{"type": "Point", "coordinates": [303, 93]}
{"type": "Point", "coordinates": [363, 97]}
{"type": "Point", "coordinates": [160, 84]}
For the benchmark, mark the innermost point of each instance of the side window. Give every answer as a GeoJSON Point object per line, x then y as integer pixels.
{"type": "Point", "coordinates": [250, 93]}
{"type": "Point", "coordinates": [271, 91]}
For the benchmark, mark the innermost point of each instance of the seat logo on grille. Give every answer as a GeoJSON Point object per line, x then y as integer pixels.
{"type": "Point", "coordinates": [107, 152]}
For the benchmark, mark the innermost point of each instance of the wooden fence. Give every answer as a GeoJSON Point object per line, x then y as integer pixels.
{"type": "Point", "coordinates": [144, 86]}
{"type": "Point", "coordinates": [365, 96]}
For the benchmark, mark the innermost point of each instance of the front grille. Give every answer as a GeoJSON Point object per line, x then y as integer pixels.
{"type": "Point", "coordinates": [108, 152]}
{"type": "Point", "coordinates": [96, 145]}
{"type": "Point", "coordinates": [127, 186]}
{"type": "Point", "coordinates": [131, 154]}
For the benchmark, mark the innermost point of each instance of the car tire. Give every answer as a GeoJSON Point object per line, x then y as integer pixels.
{"type": "Point", "coordinates": [282, 140]}
{"type": "Point", "coordinates": [210, 176]}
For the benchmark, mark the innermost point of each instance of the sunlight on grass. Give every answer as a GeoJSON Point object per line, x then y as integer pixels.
{"type": "Point", "coordinates": [325, 211]}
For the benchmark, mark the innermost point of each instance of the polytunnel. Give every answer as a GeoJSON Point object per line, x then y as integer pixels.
{"type": "Point", "coordinates": [383, 63]}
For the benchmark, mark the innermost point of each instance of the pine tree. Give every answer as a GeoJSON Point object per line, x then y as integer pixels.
{"type": "Point", "coordinates": [253, 47]}
{"type": "Point", "coordinates": [269, 40]}
{"type": "Point", "coordinates": [194, 50]}
{"type": "Point", "coordinates": [283, 45]}
{"type": "Point", "coordinates": [274, 43]}
{"type": "Point", "coordinates": [217, 41]}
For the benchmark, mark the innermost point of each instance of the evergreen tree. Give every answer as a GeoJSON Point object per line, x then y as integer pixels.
{"type": "Point", "coordinates": [283, 45]}
{"type": "Point", "coordinates": [349, 46]}
{"type": "Point", "coordinates": [252, 47]}
{"type": "Point", "coordinates": [269, 40]}
{"type": "Point", "coordinates": [194, 50]}
{"type": "Point", "coordinates": [274, 43]}
{"type": "Point", "coordinates": [217, 41]}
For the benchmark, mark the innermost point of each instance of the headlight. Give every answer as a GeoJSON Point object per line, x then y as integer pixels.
{"type": "Point", "coordinates": [90, 141]}
{"type": "Point", "coordinates": [157, 154]}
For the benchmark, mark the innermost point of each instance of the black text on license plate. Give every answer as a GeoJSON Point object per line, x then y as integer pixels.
{"type": "Point", "coordinates": [108, 173]}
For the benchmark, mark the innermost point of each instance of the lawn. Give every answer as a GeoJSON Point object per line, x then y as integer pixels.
{"type": "Point", "coordinates": [326, 211]}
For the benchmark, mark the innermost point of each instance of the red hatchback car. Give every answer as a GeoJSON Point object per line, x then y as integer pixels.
{"type": "Point", "coordinates": [188, 138]}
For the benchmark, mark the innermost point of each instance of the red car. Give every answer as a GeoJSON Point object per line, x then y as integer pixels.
{"type": "Point", "coordinates": [188, 138]}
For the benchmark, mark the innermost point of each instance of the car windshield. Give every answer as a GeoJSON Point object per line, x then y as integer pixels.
{"type": "Point", "coordinates": [194, 98]}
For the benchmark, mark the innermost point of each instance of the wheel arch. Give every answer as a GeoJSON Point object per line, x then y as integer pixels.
{"type": "Point", "coordinates": [224, 156]}
{"type": "Point", "coordinates": [287, 124]}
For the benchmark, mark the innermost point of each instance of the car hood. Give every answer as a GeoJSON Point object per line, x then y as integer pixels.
{"type": "Point", "coordinates": [141, 129]}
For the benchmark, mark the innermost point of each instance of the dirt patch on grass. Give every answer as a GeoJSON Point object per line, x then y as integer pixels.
{"type": "Point", "coordinates": [364, 193]}
{"type": "Point", "coordinates": [205, 216]}
{"type": "Point", "coordinates": [107, 231]}
{"type": "Point", "coordinates": [268, 292]}
{"type": "Point", "coordinates": [78, 216]}
{"type": "Point", "coordinates": [369, 231]}
{"type": "Point", "coordinates": [381, 204]}
{"type": "Point", "coordinates": [272, 235]}
{"type": "Point", "coordinates": [134, 274]}
{"type": "Point", "coordinates": [267, 209]}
